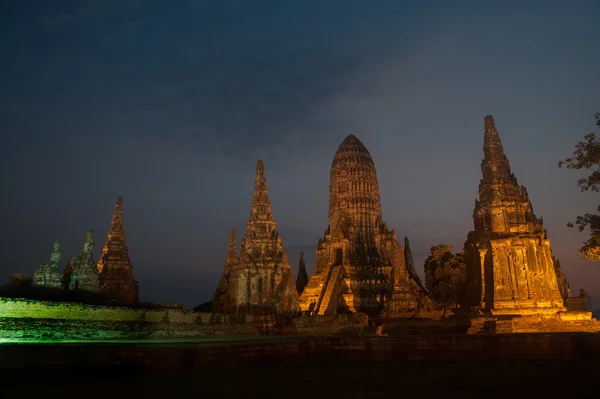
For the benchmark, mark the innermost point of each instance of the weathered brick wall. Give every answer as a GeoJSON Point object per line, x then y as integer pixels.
{"type": "Point", "coordinates": [349, 324]}
{"type": "Point", "coordinates": [578, 303]}
{"type": "Point", "coordinates": [19, 308]}
{"type": "Point", "coordinates": [31, 320]}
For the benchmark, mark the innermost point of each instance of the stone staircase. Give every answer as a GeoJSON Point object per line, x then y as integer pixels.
{"type": "Point", "coordinates": [332, 282]}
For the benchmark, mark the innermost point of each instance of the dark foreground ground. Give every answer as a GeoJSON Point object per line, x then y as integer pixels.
{"type": "Point", "coordinates": [329, 379]}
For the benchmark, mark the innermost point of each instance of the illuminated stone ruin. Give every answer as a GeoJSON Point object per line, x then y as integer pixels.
{"type": "Point", "coordinates": [84, 276]}
{"type": "Point", "coordinates": [360, 264]}
{"type": "Point", "coordinates": [302, 278]}
{"type": "Point", "coordinates": [512, 281]}
{"type": "Point", "coordinates": [114, 267]}
{"type": "Point", "coordinates": [48, 275]}
{"type": "Point", "coordinates": [260, 279]}
{"type": "Point", "coordinates": [561, 279]}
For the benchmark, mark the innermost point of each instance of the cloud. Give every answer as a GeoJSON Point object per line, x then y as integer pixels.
{"type": "Point", "coordinates": [240, 113]}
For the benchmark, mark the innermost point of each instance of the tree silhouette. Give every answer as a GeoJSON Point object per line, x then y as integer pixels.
{"type": "Point", "coordinates": [446, 275]}
{"type": "Point", "coordinates": [587, 156]}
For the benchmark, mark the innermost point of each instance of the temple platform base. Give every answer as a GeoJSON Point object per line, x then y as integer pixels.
{"type": "Point", "coordinates": [564, 321]}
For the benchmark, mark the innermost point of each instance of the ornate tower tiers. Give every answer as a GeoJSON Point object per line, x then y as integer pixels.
{"type": "Point", "coordinates": [114, 267]}
{"type": "Point", "coordinates": [360, 264]}
{"type": "Point", "coordinates": [510, 268]}
{"type": "Point", "coordinates": [260, 279]}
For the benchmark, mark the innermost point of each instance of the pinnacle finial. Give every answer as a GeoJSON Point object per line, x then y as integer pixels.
{"type": "Point", "coordinates": [119, 201]}
{"type": "Point", "coordinates": [260, 168]}
{"type": "Point", "coordinates": [301, 257]}
{"type": "Point", "coordinates": [232, 254]}
{"type": "Point", "coordinates": [489, 124]}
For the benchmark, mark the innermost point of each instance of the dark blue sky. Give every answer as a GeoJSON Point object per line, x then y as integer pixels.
{"type": "Point", "coordinates": [170, 107]}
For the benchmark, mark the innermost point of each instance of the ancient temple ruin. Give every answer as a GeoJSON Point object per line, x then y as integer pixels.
{"type": "Point", "coordinates": [360, 263]}
{"type": "Point", "coordinates": [512, 282]}
{"type": "Point", "coordinates": [563, 284]}
{"type": "Point", "coordinates": [260, 279]}
{"type": "Point", "coordinates": [48, 275]}
{"type": "Point", "coordinates": [114, 267]}
{"type": "Point", "coordinates": [84, 275]}
{"type": "Point", "coordinates": [302, 278]}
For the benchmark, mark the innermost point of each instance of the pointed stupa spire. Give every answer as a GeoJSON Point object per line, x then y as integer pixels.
{"type": "Point", "coordinates": [115, 242]}
{"type": "Point", "coordinates": [117, 228]}
{"type": "Point", "coordinates": [114, 267]}
{"type": "Point", "coordinates": [261, 193]}
{"type": "Point", "coordinates": [261, 221]}
{"type": "Point", "coordinates": [499, 186]}
{"type": "Point", "coordinates": [302, 279]}
{"type": "Point", "coordinates": [232, 254]}
{"type": "Point", "coordinates": [492, 146]}
{"type": "Point", "coordinates": [495, 165]}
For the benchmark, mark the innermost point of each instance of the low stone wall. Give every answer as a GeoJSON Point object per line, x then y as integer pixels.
{"type": "Point", "coordinates": [23, 330]}
{"type": "Point", "coordinates": [560, 322]}
{"type": "Point", "coordinates": [21, 308]}
{"type": "Point", "coordinates": [578, 303]}
{"type": "Point", "coordinates": [424, 326]}
{"type": "Point", "coordinates": [345, 324]}
{"type": "Point", "coordinates": [24, 320]}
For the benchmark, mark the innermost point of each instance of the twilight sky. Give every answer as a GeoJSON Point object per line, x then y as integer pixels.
{"type": "Point", "coordinates": [170, 107]}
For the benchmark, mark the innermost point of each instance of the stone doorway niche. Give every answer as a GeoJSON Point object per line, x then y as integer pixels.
{"type": "Point", "coordinates": [337, 257]}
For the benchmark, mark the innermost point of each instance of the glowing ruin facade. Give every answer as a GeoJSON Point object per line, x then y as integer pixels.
{"type": "Point", "coordinates": [512, 280]}
{"type": "Point", "coordinates": [260, 279]}
{"type": "Point", "coordinates": [360, 264]}
{"type": "Point", "coordinates": [115, 270]}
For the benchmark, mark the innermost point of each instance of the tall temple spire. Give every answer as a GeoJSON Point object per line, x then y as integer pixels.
{"type": "Point", "coordinates": [302, 278]}
{"type": "Point", "coordinates": [260, 211]}
{"type": "Point", "coordinates": [510, 269]}
{"type": "Point", "coordinates": [114, 266]}
{"type": "Point", "coordinates": [353, 188]}
{"type": "Point", "coordinates": [498, 186]}
{"type": "Point", "coordinates": [260, 279]}
{"type": "Point", "coordinates": [261, 193]}
{"type": "Point", "coordinates": [116, 234]}
{"type": "Point", "coordinates": [360, 265]}
{"type": "Point", "coordinates": [492, 146]}
{"type": "Point", "coordinates": [495, 165]}
{"type": "Point", "coordinates": [232, 254]}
